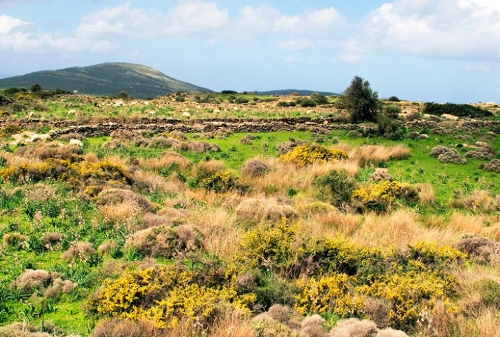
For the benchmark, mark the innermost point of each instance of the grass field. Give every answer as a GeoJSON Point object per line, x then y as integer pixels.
{"type": "Point", "coordinates": [221, 234]}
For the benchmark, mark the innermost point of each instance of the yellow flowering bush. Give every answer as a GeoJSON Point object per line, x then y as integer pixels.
{"type": "Point", "coordinates": [437, 257]}
{"type": "Point", "coordinates": [165, 295]}
{"type": "Point", "coordinates": [75, 173]}
{"type": "Point", "coordinates": [413, 296]}
{"type": "Point", "coordinates": [217, 181]}
{"type": "Point", "coordinates": [381, 196]}
{"type": "Point", "coordinates": [329, 294]}
{"type": "Point", "coordinates": [271, 248]}
{"type": "Point", "coordinates": [304, 155]}
{"type": "Point", "coordinates": [55, 169]}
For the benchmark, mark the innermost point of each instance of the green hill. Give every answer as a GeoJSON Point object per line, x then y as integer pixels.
{"type": "Point", "coordinates": [105, 79]}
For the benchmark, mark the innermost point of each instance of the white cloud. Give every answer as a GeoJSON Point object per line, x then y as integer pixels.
{"type": "Point", "coordinates": [264, 20]}
{"type": "Point", "coordinates": [7, 23]}
{"type": "Point", "coordinates": [256, 21]}
{"type": "Point", "coordinates": [468, 29]}
{"type": "Point", "coordinates": [186, 17]}
{"type": "Point", "coordinates": [477, 67]}
{"type": "Point", "coordinates": [22, 37]}
{"type": "Point", "coordinates": [296, 45]}
{"type": "Point", "coordinates": [349, 58]}
{"type": "Point", "coordinates": [195, 16]}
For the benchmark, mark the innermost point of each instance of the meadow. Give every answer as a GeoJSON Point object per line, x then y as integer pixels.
{"type": "Point", "coordinates": [314, 232]}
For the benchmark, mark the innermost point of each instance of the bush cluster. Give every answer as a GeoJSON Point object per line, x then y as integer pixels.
{"type": "Point", "coordinates": [447, 155]}
{"type": "Point", "coordinates": [460, 110]}
{"type": "Point", "coordinates": [309, 154]}
{"type": "Point", "coordinates": [333, 276]}
{"type": "Point", "coordinates": [383, 195]}
{"type": "Point", "coordinates": [166, 296]}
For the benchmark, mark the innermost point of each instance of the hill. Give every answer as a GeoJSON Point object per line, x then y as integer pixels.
{"type": "Point", "coordinates": [287, 92]}
{"type": "Point", "coordinates": [105, 79]}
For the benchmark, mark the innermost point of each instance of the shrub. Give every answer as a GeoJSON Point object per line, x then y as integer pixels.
{"type": "Point", "coordinates": [269, 248]}
{"type": "Point", "coordinates": [412, 295]}
{"type": "Point", "coordinates": [264, 209]}
{"type": "Point", "coordinates": [309, 154]}
{"type": "Point", "coordinates": [388, 127]}
{"type": "Point", "coordinates": [460, 110]}
{"type": "Point", "coordinates": [354, 327]}
{"type": "Point", "coordinates": [121, 328]}
{"type": "Point", "coordinates": [393, 99]}
{"type": "Point", "coordinates": [166, 296]}
{"type": "Point", "coordinates": [285, 104]}
{"type": "Point", "coordinates": [383, 195]}
{"type": "Point", "coordinates": [115, 196]}
{"type": "Point", "coordinates": [254, 168]}
{"type": "Point", "coordinates": [482, 250]}
{"type": "Point", "coordinates": [319, 99]}
{"type": "Point", "coordinates": [31, 280]}
{"type": "Point", "coordinates": [492, 166]}
{"type": "Point", "coordinates": [381, 174]}
{"type": "Point", "coordinates": [329, 294]}
{"type": "Point", "coordinates": [354, 134]}
{"type": "Point", "coordinates": [489, 291]}
{"type": "Point", "coordinates": [80, 251]}
{"type": "Point", "coordinates": [59, 287]}
{"type": "Point", "coordinates": [217, 181]}
{"type": "Point", "coordinates": [286, 147]}
{"type": "Point", "coordinates": [165, 241]}
{"type": "Point", "coordinates": [306, 102]}
{"type": "Point", "coordinates": [52, 241]}
{"type": "Point", "coordinates": [335, 186]}
{"type": "Point", "coordinates": [447, 155]}
{"type": "Point", "coordinates": [479, 201]}
{"type": "Point", "coordinates": [15, 241]}
{"type": "Point", "coordinates": [312, 326]}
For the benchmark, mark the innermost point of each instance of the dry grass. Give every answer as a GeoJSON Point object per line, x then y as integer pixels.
{"type": "Point", "coordinates": [169, 158]}
{"type": "Point", "coordinates": [426, 194]}
{"type": "Point", "coordinates": [257, 210]}
{"type": "Point", "coordinates": [281, 177]}
{"type": "Point", "coordinates": [334, 223]}
{"type": "Point", "coordinates": [217, 226]}
{"type": "Point", "coordinates": [475, 225]}
{"type": "Point", "coordinates": [153, 183]}
{"type": "Point", "coordinates": [375, 154]}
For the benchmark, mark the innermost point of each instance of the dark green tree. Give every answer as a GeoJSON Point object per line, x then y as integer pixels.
{"type": "Point", "coordinates": [35, 88]}
{"type": "Point", "coordinates": [361, 101]}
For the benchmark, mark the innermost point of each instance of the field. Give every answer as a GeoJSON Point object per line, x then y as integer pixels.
{"type": "Point", "coordinates": [240, 215]}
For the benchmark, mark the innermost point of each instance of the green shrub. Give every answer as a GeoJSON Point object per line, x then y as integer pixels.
{"type": "Point", "coordinates": [460, 110]}
{"type": "Point", "coordinates": [336, 187]}
{"type": "Point", "coordinates": [489, 291]}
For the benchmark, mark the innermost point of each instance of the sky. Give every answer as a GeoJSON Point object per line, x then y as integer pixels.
{"type": "Point", "coordinates": [418, 50]}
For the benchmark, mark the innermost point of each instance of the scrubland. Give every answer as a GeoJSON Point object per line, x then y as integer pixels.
{"type": "Point", "coordinates": [301, 233]}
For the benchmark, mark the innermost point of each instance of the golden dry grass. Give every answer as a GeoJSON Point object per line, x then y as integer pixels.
{"type": "Point", "coordinates": [217, 226]}
{"type": "Point", "coordinates": [375, 154]}
{"type": "Point", "coordinates": [167, 159]}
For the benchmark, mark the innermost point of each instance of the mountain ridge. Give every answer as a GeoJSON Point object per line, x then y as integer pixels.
{"type": "Point", "coordinates": [105, 79]}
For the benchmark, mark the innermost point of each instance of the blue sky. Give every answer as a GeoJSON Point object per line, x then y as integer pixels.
{"type": "Point", "coordinates": [420, 50]}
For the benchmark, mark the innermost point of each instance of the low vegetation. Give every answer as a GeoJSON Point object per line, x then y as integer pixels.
{"type": "Point", "coordinates": [332, 229]}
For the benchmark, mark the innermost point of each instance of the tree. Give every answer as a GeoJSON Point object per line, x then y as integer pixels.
{"type": "Point", "coordinates": [35, 88]}
{"type": "Point", "coordinates": [361, 101]}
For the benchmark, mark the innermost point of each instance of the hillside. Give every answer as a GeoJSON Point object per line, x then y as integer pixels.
{"type": "Point", "coordinates": [287, 92]}
{"type": "Point", "coordinates": [105, 79]}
